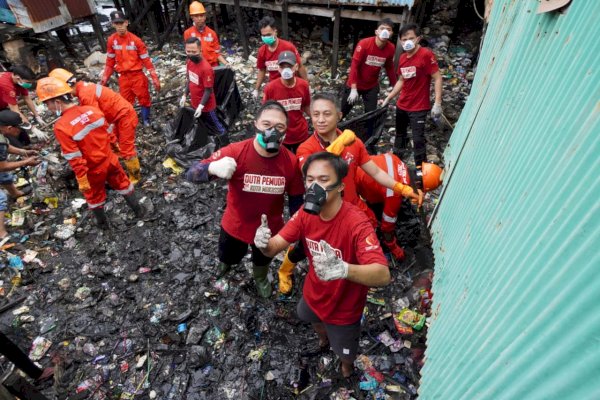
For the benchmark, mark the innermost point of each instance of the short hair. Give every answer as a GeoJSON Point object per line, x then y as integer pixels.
{"type": "Point", "coordinates": [193, 40]}
{"type": "Point", "coordinates": [24, 72]}
{"type": "Point", "coordinates": [267, 21]}
{"type": "Point", "coordinates": [272, 105]}
{"type": "Point", "coordinates": [387, 22]}
{"type": "Point", "coordinates": [327, 97]}
{"type": "Point", "coordinates": [410, 27]}
{"type": "Point", "coordinates": [337, 163]}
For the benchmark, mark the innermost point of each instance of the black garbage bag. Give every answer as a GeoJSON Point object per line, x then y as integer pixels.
{"type": "Point", "coordinates": [189, 139]}
{"type": "Point", "coordinates": [229, 101]}
{"type": "Point", "coordinates": [368, 127]}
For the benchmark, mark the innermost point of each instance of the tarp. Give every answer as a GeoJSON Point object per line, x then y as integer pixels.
{"type": "Point", "coordinates": [229, 101]}
{"type": "Point", "coordinates": [372, 121]}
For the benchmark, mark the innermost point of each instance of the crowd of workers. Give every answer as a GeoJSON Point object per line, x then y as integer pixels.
{"type": "Point", "coordinates": [337, 193]}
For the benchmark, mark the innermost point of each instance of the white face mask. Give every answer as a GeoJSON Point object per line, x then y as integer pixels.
{"type": "Point", "coordinates": [287, 73]}
{"type": "Point", "coordinates": [384, 34]}
{"type": "Point", "coordinates": [408, 45]}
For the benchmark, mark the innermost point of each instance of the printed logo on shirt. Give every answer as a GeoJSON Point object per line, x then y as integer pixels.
{"type": "Point", "coordinates": [82, 119]}
{"type": "Point", "coordinates": [272, 65]}
{"type": "Point", "coordinates": [208, 38]}
{"type": "Point", "coordinates": [348, 157]}
{"type": "Point", "coordinates": [291, 104]}
{"type": "Point", "coordinates": [315, 248]}
{"type": "Point", "coordinates": [375, 61]}
{"type": "Point", "coordinates": [402, 173]}
{"type": "Point", "coordinates": [193, 77]}
{"type": "Point", "coordinates": [264, 184]}
{"type": "Point", "coordinates": [372, 242]}
{"type": "Point", "coordinates": [408, 72]}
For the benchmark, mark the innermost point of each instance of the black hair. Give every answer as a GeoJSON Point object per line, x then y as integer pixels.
{"type": "Point", "coordinates": [410, 27]}
{"type": "Point", "coordinates": [387, 22]}
{"type": "Point", "coordinates": [24, 72]}
{"type": "Point", "coordinates": [337, 163]}
{"type": "Point", "coordinates": [272, 105]}
{"type": "Point", "coordinates": [328, 97]}
{"type": "Point", "coordinates": [267, 21]}
{"type": "Point", "coordinates": [193, 40]}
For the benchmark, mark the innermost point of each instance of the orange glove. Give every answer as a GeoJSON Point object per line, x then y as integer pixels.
{"type": "Point", "coordinates": [408, 192]}
{"type": "Point", "coordinates": [155, 80]}
{"type": "Point", "coordinates": [345, 139]}
{"type": "Point", "coordinates": [84, 184]}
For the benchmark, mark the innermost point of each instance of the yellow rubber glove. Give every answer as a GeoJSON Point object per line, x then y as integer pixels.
{"type": "Point", "coordinates": [345, 139]}
{"type": "Point", "coordinates": [133, 169]}
{"type": "Point", "coordinates": [408, 192]}
{"type": "Point", "coordinates": [84, 184]}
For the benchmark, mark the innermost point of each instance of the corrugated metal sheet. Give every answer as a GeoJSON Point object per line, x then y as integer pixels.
{"type": "Point", "coordinates": [517, 231]}
{"type": "Point", "coordinates": [40, 15]}
{"type": "Point", "coordinates": [80, 8]}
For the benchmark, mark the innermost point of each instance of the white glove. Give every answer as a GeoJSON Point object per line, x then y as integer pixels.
{"type": "Point", "coordinates": [198, 112]}
{"type": "Point", "coordinates": [263, 234]}
{"type": "Point", "coordinates": [436, 110]}
{"type": "Point", "coordinates": [182, 101]}
{"type": "Point", "coordinates": [39, 120]}
{"type": "Point", "coordinates": [328, 266]}
{"type": "Point", "coordinates": [385, 102]}
{"type": "Point", "coordinates": [353, 96]}
{"type": "Point", "coordinates": [38, 134]}
{"type": "Point", "coordinates": [255, 94]}
{"type": "Point", "coordinates": [223, 168]}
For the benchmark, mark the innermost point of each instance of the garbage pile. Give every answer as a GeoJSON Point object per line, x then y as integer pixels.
{"type": "Point", "coordinates": [136, 312]}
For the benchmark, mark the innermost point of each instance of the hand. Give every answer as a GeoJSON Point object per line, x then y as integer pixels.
{"type": "Point", "coordinates": [327, 264]}
{"type": "Point", "coordinates": [39, 120]}
{"type": "Point", "coordinates": [255, 94]}
{"type": "Point", "coordinates": [30, 153]}
{"type": "Point", "coordinates": [114, 146]}
{"type": "Point", "coordinates": [417, 198]}
{"type": "Point", "coordinates": [223, 168]}
{"type": "Point", "coordinates": [32, 161]}
{"type": "Point", "coordinates": [38, 134]}
{"type": "Point", "coordinates": [353, 96]}
{"type": "Point", "coordinates": [385, 102]}
{"type": "Point", "coordinates": [198, 112]}
{"type": "Point", "coordinates": [155, 80]}
{"type": "Point", "coordinates": [436, 110]}
{"type": "Point", "coordinates": [263, 234]}
{"type": "Point", "coordinates": [182, 101]}
{"type": "Point", "coordinates": [84, 184]}
{"type": "Point", "coordinates": [104, 80]}
{"type": "Point", "coordinates": [408, 192]}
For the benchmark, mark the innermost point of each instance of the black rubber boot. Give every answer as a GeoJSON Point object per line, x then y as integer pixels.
{"type": "Point", "coordinates": [101, 219]}
{"type": "Point", "coordinates": [134, 203]}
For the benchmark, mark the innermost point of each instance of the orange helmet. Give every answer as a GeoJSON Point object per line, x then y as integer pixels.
{"type": "Point", "coordinates": [197, 8]}
{"type": "Point", "coordinates": [50, 88]}
{"type": "Point", "coordinates": [61, 73]}
{"type": "Point", "coordinates": [431, 175]}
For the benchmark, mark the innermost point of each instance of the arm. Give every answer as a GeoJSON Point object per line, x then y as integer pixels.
{"type": "Point", "coordinates": [31, 106]}
{"type": "Point", "coordinates": [6, 166]}
{"type": "Point", "coordinates": [144, 56]}
{"type": "Point", "coordinates": [438, 85]}
{"type": "Point", "coordinates": [373, 275]}
{"type": "Point", "coordinates": [302, 73]}
{"type": "Point", "coordinates": [110, 65]}
{"type": "Point", "coordinates": [389, 70]}
{"type": "Point", "coordinates": [206, 95]}
{"type": "Point", "coordinates": [387, 181]}
{"type": "Point", "coordinates": [397, 88]}
{"type": "Point", "coordinates": [71, 153]}
{"type": "Point", "coordinates": [260, 78]}
{"type": "Point", "coordinates": [222, 60]}
{"type": "Point", "coordinates": [356, 60]}
{"type": "Point", "coordinates": [276, 245]}
{"type": "Point", "coordinates": [21, 152]}
{"type": "Point", "coordinates": [15, 108]}
{"type": "Point", "coordinates": [221, 164]}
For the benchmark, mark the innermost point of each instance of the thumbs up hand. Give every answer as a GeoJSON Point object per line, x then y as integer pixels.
{"type": "Point", "coordinates": [263, 234]}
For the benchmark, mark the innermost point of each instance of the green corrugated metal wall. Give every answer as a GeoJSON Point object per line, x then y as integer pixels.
{"type": "Point", "coordinates": [516, 233]}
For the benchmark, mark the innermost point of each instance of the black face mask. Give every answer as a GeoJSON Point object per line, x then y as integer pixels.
{"type": "Point", "coordinates": [195, 59]}
{"type": "Point", "coordinates": [315, 197]}
{"type": "Point", "coordinates": [270, 139]}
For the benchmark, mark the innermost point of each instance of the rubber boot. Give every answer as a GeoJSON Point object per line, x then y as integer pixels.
{"type": "Point", "coordinates": [101, 219]}
{"type": "Point", "coordinates": [397, 251]}
{"type": "Point", "coordinates": [133, 169]}
{"type": "Point", "coordinates": [222, 269]}
{"type": "Point", "coordinates": [263, 286]}
{"type": "Point", "coordinates": [286, 272]}
{"type": "Point", "coordinates": [134, 203]}
{"type": "Point", "coordinates": [145, 111]}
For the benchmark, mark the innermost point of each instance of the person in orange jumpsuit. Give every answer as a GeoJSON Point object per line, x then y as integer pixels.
{"type": "Point", "coordinates": [82, 134]}
{"type": "Point", "coordinates": [119, 114]}
{"type": "Point", "coordinates": [379, 197]}
{"type": "Point", "coordinates": [128, 55]}
{"type": "Point", "coordinates": [211, 48]}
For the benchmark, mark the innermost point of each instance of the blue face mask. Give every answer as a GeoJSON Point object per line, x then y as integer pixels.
{"type": "Point", "coordinates": [268, 40]}
{"type": "Point", "coordinates": [26, 85]}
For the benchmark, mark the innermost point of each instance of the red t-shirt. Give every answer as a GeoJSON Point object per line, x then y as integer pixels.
{"type": "Point", "coordinates": [367, 61]}
{"type": "Point", "coordinates": [416, 72]}
{"type": "Point", "coordinates": [201, 76]}
{"type": "Point", "coordinates": [355, 155]}
{"type": "Point", "coordinates": [9, 91]}
{"type": "Point", "coordinates": [294, 100]}
{"type": "Point", "coordinates": [267, 59]}
{"type": "Point", "coordinates": [257, 187]}
{"type": "Point", "coordinates": [340, 301]}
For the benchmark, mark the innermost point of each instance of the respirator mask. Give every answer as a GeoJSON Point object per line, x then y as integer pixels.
{"type": "Point", "coordinates": [270, 139]}
{"type": "Point", "coordinates": [316, 196]}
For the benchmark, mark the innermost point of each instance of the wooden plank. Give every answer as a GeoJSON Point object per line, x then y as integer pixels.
{"type": "Point", "coordinates": [284, 19]}
{"type": "Point", "coordinates": [240, 23]}
{"type": "Point", "coordinates": [336, 42]}
{"type": "Point", "coordinates": [98, 31]}
{"type": "Point", "coordinates": [405, 19]}
{"type": "Point", "coordinates": [175, 20]}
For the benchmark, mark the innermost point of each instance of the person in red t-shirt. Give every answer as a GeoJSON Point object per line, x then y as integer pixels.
{"type": "Point", "coordinates": [325, 115]}
{"type": "Point", "coordinates": [260, 171]}
{"type": "Point", "coordinates": [294, 95]}
{"type": "Point", "coordinates": [370, 55]}
{"type": "Point", "coordinates": [268, 54]}
{"type": "Point", "coordinates": [200, 82]}
{"type": "Point", "coordinates": [416, 68]}
{"type": "Point", "coordinates": [211, 49]}
{"type": "Point", "coordinates": [345, 257]}
{"type": "Point", "coordinates": [16, 83]}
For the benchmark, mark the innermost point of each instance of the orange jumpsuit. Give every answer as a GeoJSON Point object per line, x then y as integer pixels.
{"type": "Point", "coordinates": [209, 41]}
{"type": "Point", "coordinates": [117, 111]}
{"type": "Point", "coordinates": [81, 133]}
{"type": "Point", "coordinates": [128, 55]}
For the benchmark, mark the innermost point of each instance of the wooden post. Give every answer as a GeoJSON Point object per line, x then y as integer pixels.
{"type": "Point", "coordinates": [98, 32]}
{"type": "Point", "coordinates": [83, 41]}
{"type": "Point", "coordinates": [151, 19]}
{"type": "Point", "coordinates": [165, 5]}
{"type": "Point", "coordinates": [118, 5]}
{"type": "Point", "coordinates": [214, 18]}
{"type": "Point", "coordinates": [175, 20]}
{"type": "Point", "coordinates": [405, 16]}
{"type": "Point", "coordinates": [224, 14]}
{"type": "Point", "coordinates": [241, 28]}
{"type": "Point", "coordinates": [127, 7]}
{"type": "Point", "coordinates": [337, 15]}
{"type": "Point", "coordinates": [284, 19]}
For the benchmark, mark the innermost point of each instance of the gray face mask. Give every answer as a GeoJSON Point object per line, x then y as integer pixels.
{"type": "Point", "coordinates": [315, 197]}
